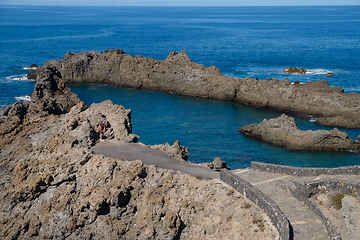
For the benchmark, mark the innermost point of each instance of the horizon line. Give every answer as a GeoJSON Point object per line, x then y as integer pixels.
{"type": "Point", "coordinates": [61, 5]}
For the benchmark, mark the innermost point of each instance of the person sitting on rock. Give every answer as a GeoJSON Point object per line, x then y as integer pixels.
{"type": "Point", "coordinates": [101, 129]}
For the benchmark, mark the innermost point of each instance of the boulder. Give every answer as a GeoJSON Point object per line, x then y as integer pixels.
{"type": "Point", "coordinates": [283, 131]}
{"type": "Point", "coordinates": [176, 150]}
{"type": "Point", "coordinates": [217, 164]}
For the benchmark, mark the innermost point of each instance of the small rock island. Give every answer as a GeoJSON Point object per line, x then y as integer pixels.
{"type": "Point", "coordinates": [295, 70]}
{"type": "Point", "coordinates": [283, 131]}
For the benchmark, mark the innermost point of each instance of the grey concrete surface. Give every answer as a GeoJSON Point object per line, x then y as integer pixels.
{"type": "Point", "coordinates": [134, 151]}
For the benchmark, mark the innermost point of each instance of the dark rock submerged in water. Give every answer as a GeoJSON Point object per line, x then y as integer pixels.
{"type": "Point", "coordinates": [53, 187]}
{"type": "Point", "coordinates": [283, 131]}
{"type": "Point", "coordinates": [178, 74]}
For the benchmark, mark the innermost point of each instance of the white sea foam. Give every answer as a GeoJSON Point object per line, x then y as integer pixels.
{"type": "Point", "coordinates": [317, 71]}
{"type": "Point", "coordinates": [29, 68]}
{"type": "Point", "coordinates": [23, 98]}
{"type": "Point", "coordinates": [311, 118]}
{"type": "Point", "coordinates": [351, 89]}
{"type": "Point", "coordinates": [18, 77]}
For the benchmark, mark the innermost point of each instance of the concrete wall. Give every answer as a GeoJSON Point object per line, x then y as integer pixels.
{"type": "Point", "coordinates": [264, 202]}
{"type": "Point", "coordinates": [299, 171]}
{"type": "Point", "coordinates": [303, 193]}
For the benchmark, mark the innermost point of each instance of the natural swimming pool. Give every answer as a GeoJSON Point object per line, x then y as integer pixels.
{"type": "Point", "coordinates": [209, 128]}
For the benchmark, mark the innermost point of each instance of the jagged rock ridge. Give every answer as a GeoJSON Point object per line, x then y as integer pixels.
{"type": "Point", "coordinates": [178, 74]}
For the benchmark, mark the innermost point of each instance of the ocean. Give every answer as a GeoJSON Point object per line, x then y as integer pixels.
{"type": "Point", "coordinates": [259, 42]}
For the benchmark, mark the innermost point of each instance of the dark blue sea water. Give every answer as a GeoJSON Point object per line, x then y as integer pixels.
{"type": "Point", "coordinates": [241, 41]}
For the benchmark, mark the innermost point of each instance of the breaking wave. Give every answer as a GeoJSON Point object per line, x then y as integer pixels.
{"type": "Point", "coordinates": [18, 77]}
{"type": "Point", "coordinates": [318, 71]}
{"type": "Point", "coordinates": [29, 68]}
{"type": "Point", "coordinates": [23, 98]}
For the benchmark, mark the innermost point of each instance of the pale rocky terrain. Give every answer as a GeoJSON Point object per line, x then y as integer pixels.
{"type": "Point", "coordinates": [52, 186]}
{"type": "Point", "coordinates": [283, 131]}
{"type": "Point", "coordinates": [344, 216]}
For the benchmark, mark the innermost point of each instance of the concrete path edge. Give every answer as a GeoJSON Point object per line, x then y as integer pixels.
{"type": "Point", "coordinates": [264, 202]}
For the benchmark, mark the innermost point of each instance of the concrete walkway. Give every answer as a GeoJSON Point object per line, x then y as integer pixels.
{"type": "Point", "coordinates": [306, 225]}
{"type": "Point", "coordinates": [132, 151]}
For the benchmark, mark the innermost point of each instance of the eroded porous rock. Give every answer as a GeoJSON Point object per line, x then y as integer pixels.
{"type": "Point", "coordinates": [52, 94]}
{"type": "Point", "coordinates": [176, 150]}
{"type": "Point", "coordinates": [351, 212]}
{"type": "Point", "coordinates": [178, 74]}
{"type": "Point", "coordinates": [283, 131]}
{"type": "Point", "coordinates": [53, 187]}
{"type": "Point", "coordinates": [53, 100]}
{"type": "Point", "coordinates": [116, 119]}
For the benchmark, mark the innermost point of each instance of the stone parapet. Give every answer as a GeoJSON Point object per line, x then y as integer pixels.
{"type": "Point", "coordinates": [300, 171]}
{"type": "Point", "coordinates": [264, 202]}
{"type": "Point", "coordinates": [304, 192]}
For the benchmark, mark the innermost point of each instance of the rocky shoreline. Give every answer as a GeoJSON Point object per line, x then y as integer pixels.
{"type": "Point", "coordinates": [178, 74]}
{"type": "Point", "coordinates": [283, 131]}
{"type": "Point", "coordinates": [53, 186]}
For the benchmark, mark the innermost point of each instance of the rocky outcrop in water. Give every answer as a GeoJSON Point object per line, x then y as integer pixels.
{"type": "Point", "coordinates": [178, 74]}
{"type": "Point", "coordinates": [283, 131]}
{"type": "Point", "coordinates": [53, 187]}
{"type": "Point", "coordinates": [295, 70]}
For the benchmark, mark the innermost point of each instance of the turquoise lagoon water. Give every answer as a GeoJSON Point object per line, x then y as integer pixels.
{"type": "Point", "coordinates": [209, 128]}
{"type": "Point", "coordinates": [241, 41]}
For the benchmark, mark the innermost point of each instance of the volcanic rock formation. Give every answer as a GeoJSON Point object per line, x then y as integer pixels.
{"type": "Point", "coordinates": [283, 131]}
{"type": "Point", "coordinates": [178, 74]}
{"type": "Point", "coordinates": [53, 187]}
{"type": "Point", "coordinates": [295, 70]}
{"type": "Point", "coordinates": [176, 150]}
